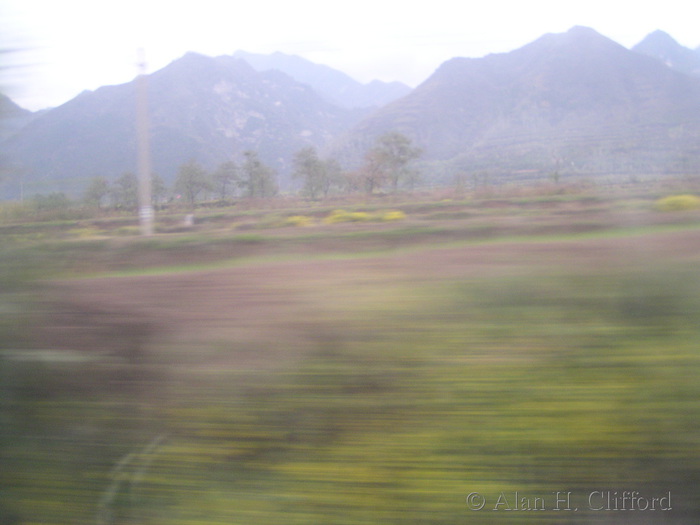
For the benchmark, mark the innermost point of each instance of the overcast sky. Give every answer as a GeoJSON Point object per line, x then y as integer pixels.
{"type": "Point", "coordinates": [73, 45]}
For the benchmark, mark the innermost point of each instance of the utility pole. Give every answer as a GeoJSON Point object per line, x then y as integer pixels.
{"type": "Point", "coordinates": [144, 149]}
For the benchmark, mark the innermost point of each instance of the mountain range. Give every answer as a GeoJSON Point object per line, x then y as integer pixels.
{"type": "Point", "coordinates": [571, 103]}
{"type": "Point", "coordinates": [663, 47]}
{"type": "Point", "coordinates": [574, 103]}
{"type": "Point", "coordinates": [202, 108]}
{"type": "Point", "coordinates": [337, 87]}
{"type": "Point", "coordinates": [12, 117]}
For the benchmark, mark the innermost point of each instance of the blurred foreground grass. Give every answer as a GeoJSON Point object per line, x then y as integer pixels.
{"type": "Point", "coordinates": [553, 378]}
{"type": "Point", "coordinates": [536, 384]}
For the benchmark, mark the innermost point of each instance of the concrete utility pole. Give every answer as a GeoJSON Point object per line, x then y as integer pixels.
{"type": "Point", "coordinates": [144, 149]}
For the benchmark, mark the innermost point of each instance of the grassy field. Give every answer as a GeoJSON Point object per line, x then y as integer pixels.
{"type": "Point", "coordinates": [503, 358]}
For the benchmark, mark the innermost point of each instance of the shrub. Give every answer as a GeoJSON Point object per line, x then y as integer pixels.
{"type": "Point", "coordinates": [298, 220]}
{"type": "Point", "coordinates": [361, 216]}
{"type": "Point", "coordinates": [346, 216]}
{"type": "Point", "coordinates": [83, 233]}
{"type": "Point", "coordinates": [128, 230]}
{"type": "Point", "coordinates": [336, 216]}
{"type": "Point", "coordinates": [393, 215]}
{"type": "Point", "coordinates": [677, 203]}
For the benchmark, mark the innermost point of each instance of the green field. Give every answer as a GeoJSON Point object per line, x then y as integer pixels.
{"type": "Point", "coordinates": [259, 368]}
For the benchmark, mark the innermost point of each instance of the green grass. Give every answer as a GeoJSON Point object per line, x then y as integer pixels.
{"type": "Point", "coordinates": [533, 384]}
{"type": "Point", "coordinates": [407, 395]}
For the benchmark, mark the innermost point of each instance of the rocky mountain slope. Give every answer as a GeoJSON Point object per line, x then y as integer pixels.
{"type": "Point", "coordinates": [574, 103]}
{"type": "Point", "coordinates": [202, 108]}
{"type": "Point", "coordinates": [662, 46]}
{"type": "Point", "coordinates": [337, 87]}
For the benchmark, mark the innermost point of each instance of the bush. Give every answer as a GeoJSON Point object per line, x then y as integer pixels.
{"type": "Point", "coordinates": [346, 216]}
{"type": "Point", "coordinates": [84, 233]}
{"type": "Point", "coordinates": [361, 216]}
{"type": "Point", "coordinates": [677, 203]}
{"type": "Point", "coordinates": [128, 230]}
{"type": "Point", "coordinates": [298, 220]}
{"type": "Point", "coordinates": [394, 215]}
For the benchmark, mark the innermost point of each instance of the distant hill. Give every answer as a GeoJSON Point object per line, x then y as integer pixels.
{"type": "Point", "coordinates": [663, 47]}
{"type": "Point", "coordinates": [575, 103]}
{"type": "Point", "coordinates": [203, 108]}
{"type": "Point", "coordinates": [336, 86]}
{"type": "Point", "coordinates": [12, 117]}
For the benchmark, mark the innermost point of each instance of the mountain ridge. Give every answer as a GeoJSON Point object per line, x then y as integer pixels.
{"type": "Point", "coordinates": [338, 87]}
{"type": "Point", "coordinates": [663, 47]}
{"type": "Point", "coordinates": [575, 99]}
{"type": "Point", "coordinates": [209, 109]}
{"type": "Point", "coordinates": [574, 102]}
{"type": "Point", "coordinates": [12, 117]}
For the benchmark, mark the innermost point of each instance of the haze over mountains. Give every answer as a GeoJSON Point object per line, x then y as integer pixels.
{"type": "Point", "coordinates": [12, 117]}
{"type": "Point", "coordinates": [336, 86]}
{"type": "Point", "coordinates": [202, 108]}
{"type": "Point", "coordinates": [662, 46]}
{"type": "Point", "coordinates": [576, 103]}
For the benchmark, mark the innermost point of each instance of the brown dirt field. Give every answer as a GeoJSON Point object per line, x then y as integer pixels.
{"type": "Point", "coordinates": [266, 311]}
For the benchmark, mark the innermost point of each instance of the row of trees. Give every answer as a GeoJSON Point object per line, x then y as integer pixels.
{"type": "Point", "coordinates": [122, 193]}
{"type": "Point", "coordinates": [386, 166]}
{"type": "Point", "coordinates": [251, 179]}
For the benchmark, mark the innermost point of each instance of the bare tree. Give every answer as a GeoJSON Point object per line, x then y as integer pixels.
{"type": "Point", "coordinates": [257, 179]}
{"type": "Point", "coordinates": [191, 181]}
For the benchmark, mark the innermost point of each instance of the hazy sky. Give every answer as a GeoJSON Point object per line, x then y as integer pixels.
{"type": "Point", "coordinates": [73, 45]}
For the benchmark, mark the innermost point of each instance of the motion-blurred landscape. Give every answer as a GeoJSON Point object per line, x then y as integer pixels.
{"type": "Point", "coordinates": [360, 303]}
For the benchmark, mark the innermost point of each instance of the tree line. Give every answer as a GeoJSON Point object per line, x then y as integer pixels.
{"type": "Point", "coordinates": [386, 167]}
